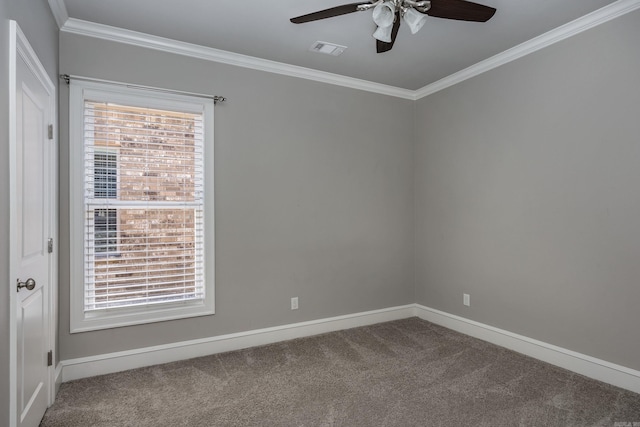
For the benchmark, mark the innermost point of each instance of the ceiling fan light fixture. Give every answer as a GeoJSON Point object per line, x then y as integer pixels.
{"type": "Point", "coordinates": [414, 19]}
{"type": "Point", "coordinates": [383, 34]}
{"type": "Point", "coordinates": [387, 15]}
{"type": "Point", "coordinates": [384, 13]}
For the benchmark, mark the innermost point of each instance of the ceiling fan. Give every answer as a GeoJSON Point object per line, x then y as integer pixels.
{"type": "Point", "coordinates": [387, 15]}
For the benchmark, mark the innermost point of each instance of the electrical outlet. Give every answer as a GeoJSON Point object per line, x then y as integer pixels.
{"type": "Point", "coordinates": [294, 303]}
{"type": "Point", "coordinates": [466, 299]}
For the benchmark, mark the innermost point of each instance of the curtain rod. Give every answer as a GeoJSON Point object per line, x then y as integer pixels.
{"type": "Point", "coordinates": [216, 98]}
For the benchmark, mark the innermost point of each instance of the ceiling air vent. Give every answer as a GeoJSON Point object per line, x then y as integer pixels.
{"type": "Point", "coordinates": [328, 48]}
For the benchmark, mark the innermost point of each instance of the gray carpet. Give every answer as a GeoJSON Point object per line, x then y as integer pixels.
{"type": "Point", "coordinates": [402, 373]}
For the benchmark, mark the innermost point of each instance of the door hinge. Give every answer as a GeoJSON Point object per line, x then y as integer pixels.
{"type": "Point", "coordinates": [50, 131]}
{"type": "Point", "coordinates": [50, 245]}
{"type": "Point", "coordinates": [50, 358]}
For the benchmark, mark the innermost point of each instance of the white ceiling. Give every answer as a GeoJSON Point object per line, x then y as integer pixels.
{"type": "Point", "coordinates": [262, 29]}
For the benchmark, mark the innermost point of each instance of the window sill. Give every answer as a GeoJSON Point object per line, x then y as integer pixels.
{"type": "Point", "coordinates": [120, 317]}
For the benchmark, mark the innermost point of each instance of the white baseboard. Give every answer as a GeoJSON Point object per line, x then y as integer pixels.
{"type": "Point", "coordinates": [83, 367]}
{"type": "Point", "coordinates": [588, 366]}
{"type": "Point", "coordinates": [58, 378]}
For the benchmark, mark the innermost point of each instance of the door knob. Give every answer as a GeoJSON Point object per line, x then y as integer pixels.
{"type": "Point", "coordinates": [29, 284]}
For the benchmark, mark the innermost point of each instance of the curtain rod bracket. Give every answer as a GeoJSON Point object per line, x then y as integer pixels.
{"type": "Point", "coordinates": [66, 78]}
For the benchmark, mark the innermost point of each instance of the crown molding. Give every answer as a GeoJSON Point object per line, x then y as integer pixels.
{"type": "Point", "coordinates": [59, 10]}
{"type": "Point", "coordinates": [600, 16]}
{"type": "Point", "coordinates": [86, 28]}
{"type": "Point", "coordinates": [91, 29]}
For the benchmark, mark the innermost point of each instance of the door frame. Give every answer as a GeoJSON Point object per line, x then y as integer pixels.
{"type": "Point", "coordinates": [19, 48]}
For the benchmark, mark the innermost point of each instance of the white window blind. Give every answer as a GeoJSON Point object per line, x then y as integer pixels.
{"type": "Point", "coordinates": [143, 206]}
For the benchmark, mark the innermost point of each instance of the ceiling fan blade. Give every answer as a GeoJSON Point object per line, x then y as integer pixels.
{"type": "Point", "coordinates": [327, 13]}
{"type": "Point", "coordinates": [384, 46]}
{"type": "Point", "coordinates": [461, 10]}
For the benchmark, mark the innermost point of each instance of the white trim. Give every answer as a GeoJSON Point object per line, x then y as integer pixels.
{"type": "Point", "coordinates": [58, 378]}
{"type": "Point", "coordinates": [53, 234]}
{"type": "Point", "coordinates": [91, 29]}
{"type": "Point", "coordinates": [114, 362]}
{"type": "Point", "coordinates": [588, 366]}
{"type": "Point", "coordinates": [572, 28]}
{"type": "Point", "coordinates": [120, 35]}
{"type": "Point", "coordinates": [59, 10]}
{"type": "Point", "coordinates": [19, 47]}
{"type": "Point", "coordinates": [13, 355]}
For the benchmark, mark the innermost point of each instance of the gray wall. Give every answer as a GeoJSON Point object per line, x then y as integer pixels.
{"type": "Point", "coordinates": [36, 21]}
{"type": "Point", "coordinates": [528, 196]}
{"type": "Point", "coordinates": [314, 196]}
{"type": "Point", "coordinates": [522, 182]}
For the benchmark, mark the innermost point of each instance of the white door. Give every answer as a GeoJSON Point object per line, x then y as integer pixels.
{"type": "Point", "coordinates": [31, 227]}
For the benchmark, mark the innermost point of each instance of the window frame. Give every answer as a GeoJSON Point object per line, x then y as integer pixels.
{"type": "Point", "coordinates": [79, 92]}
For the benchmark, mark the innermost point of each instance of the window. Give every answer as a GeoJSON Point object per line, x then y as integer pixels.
{"type": "Point", "coordinates": [141, 166]}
